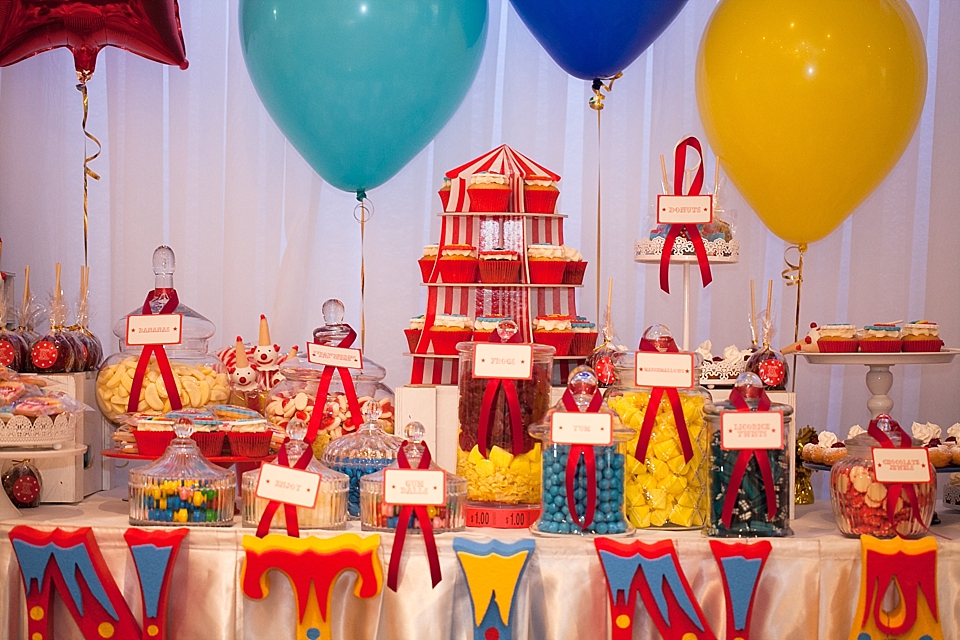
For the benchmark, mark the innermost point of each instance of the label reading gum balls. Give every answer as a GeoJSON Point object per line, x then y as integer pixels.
{"type": "Point", "coordinates": [425, 487]}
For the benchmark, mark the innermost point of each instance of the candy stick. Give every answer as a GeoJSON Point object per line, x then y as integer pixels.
{"type": "Point", "coordinates": [753, 312]}
{"type": "Point", "coordinates": [716, 177]}
{"type": "Point", "coordinates": [665, 184]}
{"type": "Point", "coordinates": [26, 296]}
{"type": "Point", "coordinates": [769, 297]}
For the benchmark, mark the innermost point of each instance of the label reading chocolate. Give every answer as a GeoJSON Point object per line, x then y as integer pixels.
{"type": "Point", "coordinates": [289, 486]}
{"type": "Point", "coordinates": [334, 356]}
{"type": "Point", "coordinates": [420, 487]}
{"type": "Point", "coordinates": [165, 328]}
{"type": "Point", "coordinates": [573, 427]}
{"type": "Point", "coordinates": [684, 209]}
{"type": "Point", "coordinates": [503, 361]}
{"type": "Point", "coordinates": [751, 430]}
{"type": "Point", "coordinates": [911, 466]}
{"type": "Point", "coordinates": [44, 354]}
{"type": "Point", "coordinates": [673, 370]}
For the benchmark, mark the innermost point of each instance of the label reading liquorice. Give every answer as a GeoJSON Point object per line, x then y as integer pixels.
{"type": "Point", "coordinates": [751, 430]}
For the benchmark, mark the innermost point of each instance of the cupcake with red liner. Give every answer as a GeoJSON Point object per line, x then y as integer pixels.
{"type": "Point", "coordinates": [540, 194]}
{"type": "Point", "coordinates": [153, 436]}
{"type": "Point", "coordinates": [427, 261]}
{"type": "Point", "coordinates": [489, 192]}
{"type": "Point", "coordinates": [576, 267]}
{"type": "Point", "coordinates": [921, 336]}
{"type": "Point", "coordinates": [249, 438]}
{"type": "Point", "coordinates": [584, 337]}
{"type": "Point", "coordinates": [484, 326]}
{"type": "Point", "coordinates": [881, 338]}
{"type": "Point", "coordinates": [554, 330]}
{"type": "Point", "coordinates": [458, 263]}
{"type": "Point", "coordinates": [499, 266]}
{"type": "Point", "coordinates": [444, 193]}
{"type": "Point", "coordinates": [838, 338]}
{"type": "Point", "coordinates": [546, 263]}
{"type": "Point", "coordinates": [209, 438]}
{"type": "Point", "coordinates": [413, 332]}
{"type": "Point", "coordinates": [447, 330]}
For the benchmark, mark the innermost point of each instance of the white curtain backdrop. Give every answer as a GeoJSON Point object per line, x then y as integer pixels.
{"type": "Point", "coordinates": [192, 159]}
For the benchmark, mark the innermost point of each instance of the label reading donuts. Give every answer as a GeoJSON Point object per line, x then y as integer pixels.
{"type": "Point", "coordinates": [334, 356]}
{"type": "Point", "coordinates": [684, 209]}
{"type": "Point", "coordinates": [503, 361]}
{"type": "Point", "coordinates": [911, 466]}
{"type": "Point", "coordinates": [164, 328]}
{"type": "Point", "coordinates": [573, 427]}
{"type": "Point", "coordinates": [751, 430]}
{"type": "Point", "coordinates": [289, 486]}
{"type": "Point", "coordinates": [421, 487]}
{"type": "Point", "coordinates": [7, 353]}
{"type": "Point", "coordinates": [673, 370]}
{"type": "Point", "coordinates": [44, 354]}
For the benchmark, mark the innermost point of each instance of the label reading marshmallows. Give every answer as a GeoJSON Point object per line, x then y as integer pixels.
{"type": "Point", "coordinates": [674, 370]}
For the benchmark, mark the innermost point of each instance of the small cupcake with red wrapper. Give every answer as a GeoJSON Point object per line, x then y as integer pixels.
{"type": "Point", "coordinates": [428, 260]}
{"type": "Point", "coordinates": [540, 194]}
{"type": "Point", "coordinates": [413, 332]}
{"type": "Point", "coordinates": [584, 337]}
{"type": "Point", "coordinates": [921, 336]}
{"type": "Point", "coordinates": [249, 438]}
{"type": "Point", "coordinates": [209, 438]}
{"type": "Point", "coordinates": [546, 262]}
{"type": "Point", "coordinates": [575, 267]}
{"type": "Point", "coordinates": [484, 326]}
{"type": "Point", "coordinates": [499, 266]}
{"type": "Point", "coordinates": [448, 329]}
{"type": "Point", "coordinates": [555, 330]}
{"type": "Point", "coordinates": [838, 338]}
{"type": "Point", "coordinates": [153, 435]}
{"type": "Point", "coordinates": [444, 193]}
{"type": "Point", "coordinates": [458, 264]}
{"type": "Point", "coordinates": [489, 192]}
{"type": "Point", "coordinates": [881, 338]}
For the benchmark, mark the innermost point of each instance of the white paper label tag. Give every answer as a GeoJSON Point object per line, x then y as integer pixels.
{"type": "Point", "coordinates": [160, 329]}
{"type": "Point", "coordinates": [684, 209]}
{"type": "Point", "coordinates": [503, 361]}
{"type": "Point", "coordinates": [673, 370]}
{"type": "Point", "coordinates": [289, 486]}
{"type": "Point", "coordinates": [911, 466]}
{"type": "Point", "coordinates": [573, 427]}
{"type": "Point", "coordinates": [751, 430]}
{"type": "Point", "coordinates": [334, 356]}
{"type": "Point", "coordinates": [419, 487]}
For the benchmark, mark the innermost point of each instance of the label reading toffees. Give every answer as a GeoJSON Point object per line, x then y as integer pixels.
{"type": "Point", "coordinates": [159, 329]}
{"type": "Point", "coordinates": [420, 487]}
{"type": "Point", "coordinates": [573, 427]}
{"type": "Point", "coordinates": [289, 486]}
{"type": "Point", "coordinates": [911, 466]}
{"type": "Point", "coordinates": [751, 430]}
{"type": "Point", "coordinates": [503, 361]}
{"type": "Point", "coordinates": [684, 209]}
{"type": "Point", "coordinates": [674, 370]}
{"type": "Point", "coordinates": [334, 356]}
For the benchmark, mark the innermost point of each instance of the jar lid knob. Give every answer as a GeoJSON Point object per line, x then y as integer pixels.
{"type": "Point", "coordinates": [164, 264]}
{"type": "Point", "coordinates": [333, 311]}
{"type": "Point", "coordinates": [297, 429]}
{"type": "Point", "coordinates": [749, 385]}
{"type": "Point", "coordinates": [659, 335]}
{"type": "Point", "coordinates": [506, 329]}
{"type": "Point", "coordinates": [371, 411]}
{"type": "Point", "coordinates": [415, 432]}
{"type": "Point", "coordinates": [183, 427]}
{"type": "Point", "coordinates": [583, 385]}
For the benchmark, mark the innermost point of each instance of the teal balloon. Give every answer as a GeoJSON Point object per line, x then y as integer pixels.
{"type": "Point", "coordinates": [359, 87]}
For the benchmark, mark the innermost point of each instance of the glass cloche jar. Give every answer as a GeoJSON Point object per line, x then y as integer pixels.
{"type": "Point", "coordinates": [181, 487]}
{"type": "Point", "coordinates": [202, 377]}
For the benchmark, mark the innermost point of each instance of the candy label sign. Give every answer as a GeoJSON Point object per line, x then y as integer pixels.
{"type": "Point", "coordinates": [7, 353]}
{"type": "Point", "coordinates": [503, 361]}
{"type": "Point", "coordinates": [668, 370]}
{"type": "Point", "coordinates": [573, 427]}
{"type": "Point", "coordinates": [334, 356]}
{"type": "Point", "coordinates": [684, 209]}
{"type": "Point", "coordinates": [911, 466]}
{"type": "Point", "coordinates": [289, 486]}
{"type": "Point", "coordinates": [44, 354]}
{"type": "Point", "coordinates": [164, 328]}
{"type": "Point", "coordinates": [751, 430]}
{"type": "Point", "coordinates": [421, 487]}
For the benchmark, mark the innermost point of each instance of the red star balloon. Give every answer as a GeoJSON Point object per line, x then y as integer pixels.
{"type": "Point", "coordinates": [149, 28]}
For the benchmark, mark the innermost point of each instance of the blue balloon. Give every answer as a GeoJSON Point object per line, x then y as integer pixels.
{"type": "Point", "coordinates": [596, 38]}
{"type": "Point", "coordinates": [359, 87]}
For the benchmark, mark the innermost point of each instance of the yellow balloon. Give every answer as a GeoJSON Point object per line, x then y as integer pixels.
{"type": "Point", "coordinates": [810, 103]}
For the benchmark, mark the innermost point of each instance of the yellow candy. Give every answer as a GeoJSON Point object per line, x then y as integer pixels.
{"type": "Point", "coordinates": [475, 456]}
{"type": "Point", "coordinates": [658, 518]}
{"type": "Point", "coordinates": [500, 457]}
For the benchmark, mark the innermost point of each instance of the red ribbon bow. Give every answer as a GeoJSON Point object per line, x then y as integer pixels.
{"type": "Point", "coordinates": [650, 416]}
{"type": "Point", "coordinates": [313, 427]}
{"type": "Point", "coordinates": [513, 407]}
{"type": "Point", "coordinates": [589, 462]}
{"type": "Point", "coordinates": [679, 161]}
{"type": "Point", "coordinates": [406, 513]}
{"type": "Point", "coordinates": [157, 350]}
{"type": "Point", "coordinates": [895, 489]}
{"type": "Point", "coordinates": [743, 459]}
{"type": "Point", "coordinates": [289, 510]}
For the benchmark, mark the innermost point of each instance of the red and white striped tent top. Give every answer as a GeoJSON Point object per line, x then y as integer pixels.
{"type": "Point", "coordinates": [504, 160]}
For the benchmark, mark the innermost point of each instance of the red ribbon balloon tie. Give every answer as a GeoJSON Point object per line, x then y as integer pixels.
{"type": "Point", "coordinates": [289, 510]}
{"type": "Point", "coordinates": [894, 490]}
{"type": "Point", "coordinates": [406, 513]}
{"type": "Point", "coordinates": [743, 459]}
{"type": "Point", "coordinates": [513, 407]}
{"type": "Point", "coordinates": [169, 381]}
{"type": "Point", "coordinates": [313, 427]}
{"type": "Point", "coordinates": [650, 416]}
{"type": "Point", "coordinates": [673, 232]}
{"type": "Point", "coordinates": [589, 462]}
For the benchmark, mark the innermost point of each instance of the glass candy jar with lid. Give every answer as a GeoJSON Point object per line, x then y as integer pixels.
{"type": "Point", "coordinates": [749, 487]}
{"type": "Point", "coordinates": [378, 515]}
{"type": "Point", "coordinates": [860, 499]}
{"type": "Point", "coordinates": [361, 453]}
{"type": "Point", "coordinates": [330, 510]}
{"type": "Point", "coordinates": [495, 453]}
{"type": "Point", "coordinates": [200, 376]}
{"type": "Point", "coordinates": [666, 456]}
{"type": "Point", "coordinates": [591, 501]}
{"type": "Point", "coordinates": [181, 487]}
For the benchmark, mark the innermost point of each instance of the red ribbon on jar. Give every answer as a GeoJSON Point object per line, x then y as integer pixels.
{"type": "Point", "coordinates": [289, 510]}
{"type": "Point", "coordinates": [894, 490]}
{"type": "Point", "coordinates": [324, 387]}
{"type": "Point", "coordinates": [513, 407]}
{"type": "Point", "coordinates": [589, 462]}
{"type": "Point", "coordinates": [163, 363]}
{"type": "Point", "coordinates": [674, 230]}
{"type": "Point", "coordinates": [403, 521]}
{"type": "Point", "coordinates": [653, 406]}
{"type": "Point", "coordinates": [743, 459]}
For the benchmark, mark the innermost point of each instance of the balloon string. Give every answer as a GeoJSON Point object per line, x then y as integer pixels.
{"type": "Point", "coordinates": [87, 171]}
{"type": "Point", "coordinates": [365, 213]}
{"type": "Point", "coordinates": [596, 103]}
{"type": "Point", "coordinates": [793, 275]}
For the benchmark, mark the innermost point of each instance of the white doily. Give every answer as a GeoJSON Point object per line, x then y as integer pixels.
{"type": "Point", "coordinates": [683, 247]}
{"type": "Point", "coordinates": [713, 372]}
{"type": "Point", "coordinates": [44, 430]}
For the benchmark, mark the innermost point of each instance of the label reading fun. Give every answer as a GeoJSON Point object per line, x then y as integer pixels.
{"type": "Point", "coordinates": [159, 329]}
{"type": "Point", "coordinates": [674, 370]}
{"type": "Point", "coordinates": [503, 361]}
{"type": "Point", "coordinates": [751, 430]}
{"type": "Point", "coordinates": [420, 487]}
{"type": "Point", "coordinates": [289, 486]}
{"type": "Point", "coordinates": [334, 356]}
{"type": "Point", "coordinates": [684, 209]}
{"type": "Point", "coordinates": [573, 427]}
{"type": "Point", "coordinates": [911, 466]}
